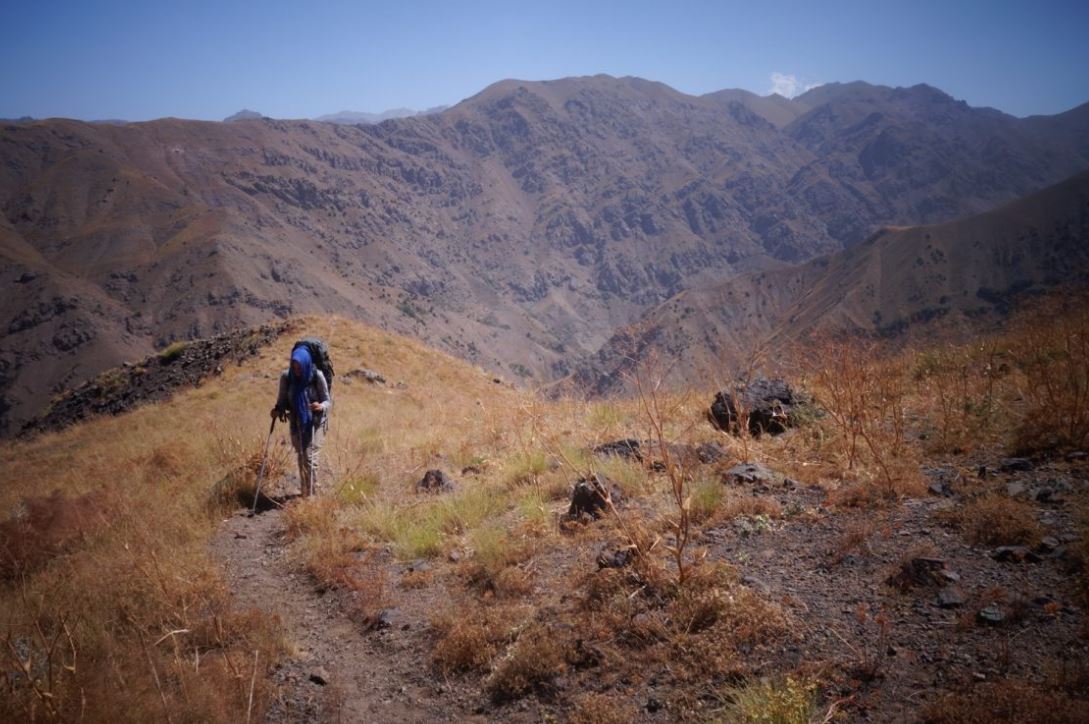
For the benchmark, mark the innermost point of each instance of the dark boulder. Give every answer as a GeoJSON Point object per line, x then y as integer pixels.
{"type": "Point", "coordinates": [615, 557]}
{"type": "Point", "coordinates": [771, 406]}
{"type": "Point", "coordinates": [591, 496]}
{"type": "Point", "coordinates": [750, 473]}
{"type": "Point", "coordinates": [435, 481]}
{"type": "Point", "coordinates": [628, 449]}
{"type": "Point", "coordinates": [710, 452]}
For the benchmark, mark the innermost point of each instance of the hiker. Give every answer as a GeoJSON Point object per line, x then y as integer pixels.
{"type": "Point", "coordinates": [304, 399]}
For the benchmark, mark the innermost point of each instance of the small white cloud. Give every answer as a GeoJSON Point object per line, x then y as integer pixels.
{"type": "Point", "coordinates": [788, 85]}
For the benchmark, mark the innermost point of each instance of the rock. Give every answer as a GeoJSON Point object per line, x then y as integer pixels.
{"type": "Point", "coordinates": [749, 473]}
{"type": "Point", "coordinates": [710, 452]}
{"type": "Point", "coordinates": [384, 619]}
{"type": "Point", "coordinates": [368, 375]}
{"type": "Point", "coordinates": [919, 571]}
{"type": "Point", "coordinates": [591, 496]}
{"type": "Point", "coordinates": [653, 705]}
{"type": "Point", "coordinates": [1011, 465]}
{"type": "Point", "coordinates": [1014, 554]}
{"type": "Point", "coordinates": [950, 597]}
{"type": "Point", "coordinates": [617, 558]}
{"type": "Point", "coordinates": [628, 449]}
{"type": "Point", "coordinates": [1077, 456]}
{"type": "Point", "coordinates": [1049, 544]}
{"type": "Point", "coordinates": [319, 676]}
{"type": "Point", "coordinates": [771, 406]}
{"type": "Point", "coordinates": [756, 584]}
{"type": "Point", "coordinates": [435, 481]}
{"type": "Point", "coordinates": [1015, 490]}
{"type": "Point", "coordinates": [991, 615]}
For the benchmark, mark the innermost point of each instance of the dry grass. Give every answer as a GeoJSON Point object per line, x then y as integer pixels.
{"type": "Point", "coordinates": [1007, 701]}
{"type": "Point", "coordinates": [117, 559]}
{"type": "Point", "coordinates": [996, 520]}
{"type": "Point", "coordinates": [469, 638]}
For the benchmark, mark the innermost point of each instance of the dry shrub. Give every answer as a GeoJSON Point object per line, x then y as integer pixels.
{"type": "Point", "coordinates": [961, 387]}
{"type": "Point", "coordinates": [1050, 348]}
{"type": "Point", "coordinates": [865, 396]}
{"type": "Point", "coordinates": [531, 663]}
{"type": "Point", "coordinates": [997, 520]}
{"type": "Point", "coordinates": [49, 527]}
{"type": "Point", "coordinates": [594, 708]}
{"type": "Point", "coordinates": [239, 486]}
{"type": "Point", "coordinates": [1007, 701]}
{"type": "Point", "coordinates": [470, 638]}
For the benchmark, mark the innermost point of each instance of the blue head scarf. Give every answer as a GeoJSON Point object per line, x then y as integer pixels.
{"type": "Point", "coordinates": [300, 403]}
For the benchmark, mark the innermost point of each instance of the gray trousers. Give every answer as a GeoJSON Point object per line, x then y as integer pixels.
{"type": "Point", "coordinates": [309, 460]}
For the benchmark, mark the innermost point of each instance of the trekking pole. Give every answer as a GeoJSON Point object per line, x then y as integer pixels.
{"type": "Point", "coordinates": [261, 474]}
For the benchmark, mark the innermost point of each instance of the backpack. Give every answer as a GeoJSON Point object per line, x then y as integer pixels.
{"type": "Point", "coordinates": [319, 354]}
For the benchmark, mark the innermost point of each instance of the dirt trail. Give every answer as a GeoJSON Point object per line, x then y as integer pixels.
{"type": "Point", "coordinates": [380, 676]}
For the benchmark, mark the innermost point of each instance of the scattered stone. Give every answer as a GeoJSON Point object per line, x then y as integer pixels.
{"type": "Point", "coordinates": [756, 584]}
{"type": "Point", "coordinates": [1014, 554]}
{"type": "Point", "coordinates": [991, 615]}
{"type": "Point", "coordinates": [771, 406]}
{"type": "Point", "coordinates": [591, 496]}
{"type": "Point", "coordinates": [1048, 544]}
{"type": "Point", "coordinates": [319, 676]}
{"type": "Point", "coordinates": [435, 481]}
{"type": "Point", "coordinates": [1011, 465]}
{"type": "Point", "coordinates": [950, 597]}
{"type": "Point", "coordinates": [710, 452]}
{"type": "Point", "coordinates": [616, 558]}
{"type": "Point", "coordinates": [653, 705]}
{"type": "Point", "coordinates": [367, 375]}
{"type": "Point", "coordinates": [749, 473]}
{"type": "Point", "coordinates": [628, 449]}
{"type": "Point", "coordinates": [1077, 456]}
{"type": "Point", "coordinates": [1015, 490]}
{"type": "Point", "coordinates": [920, 571]}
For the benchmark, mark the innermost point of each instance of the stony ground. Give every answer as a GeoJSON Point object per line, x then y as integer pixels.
{"type": "Point", "coordinates": [889, 607]}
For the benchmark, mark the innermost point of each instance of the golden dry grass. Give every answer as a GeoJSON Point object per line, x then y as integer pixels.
{"type": "Point", "coordinates": [115, 567]}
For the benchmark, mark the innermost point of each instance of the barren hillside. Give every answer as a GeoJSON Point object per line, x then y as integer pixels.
{"type": "Point", "coordinates": [960, 273]}
{"type": "Point", "coordinates": [517, 229]}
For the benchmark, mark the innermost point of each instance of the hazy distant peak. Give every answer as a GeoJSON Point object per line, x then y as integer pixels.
{"type": "Point", "coordinates": [355, 117]}
{"type": "Point", "coordinates": [244, 115]}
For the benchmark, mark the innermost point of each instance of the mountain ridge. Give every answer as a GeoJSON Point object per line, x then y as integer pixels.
{"type": "Point", "coordinates": [517, 229]}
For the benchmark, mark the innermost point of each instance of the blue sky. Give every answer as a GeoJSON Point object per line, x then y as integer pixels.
{"type": "Point", "coordinates": [141, 60]}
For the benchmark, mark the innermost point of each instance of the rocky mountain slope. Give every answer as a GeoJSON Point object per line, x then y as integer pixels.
{"type": "Point", "coordinates": [956, 272]}
{"type": "Point", "coordinates": [517, 229]}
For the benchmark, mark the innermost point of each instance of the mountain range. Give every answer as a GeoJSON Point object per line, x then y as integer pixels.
{"type": "Point", "coordinates": [520, 229]}
{"type": "Point", "coordinates": [965, 274]}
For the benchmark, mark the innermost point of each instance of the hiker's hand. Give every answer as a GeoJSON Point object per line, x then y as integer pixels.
{"type": "Point", "coordinates": [274, 412]}
{"type": "Point", "coordinates": [315, 407]}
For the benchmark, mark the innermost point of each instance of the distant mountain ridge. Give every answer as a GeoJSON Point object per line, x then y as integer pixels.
{"type": "Point", "coordinates": [353, 117]}
{"type": "Point", "coordinates": [956, 272]}
{"type": "Point", "coordinates": [518, 229]}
